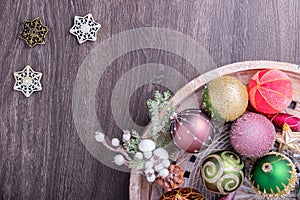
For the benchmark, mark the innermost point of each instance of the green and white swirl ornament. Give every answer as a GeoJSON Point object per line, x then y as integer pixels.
{"type": "Point", "coordinates": [222, 172]}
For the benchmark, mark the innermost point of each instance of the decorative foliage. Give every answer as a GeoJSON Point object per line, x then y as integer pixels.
{"type": "Point", "coordinates": [136, 163]}
{"type": "Point", "coordinates": [147, 155]}
{"type": "Point", "coordinates": [160, 124]}
{"type": "Point", "coordinates": [131, 141]}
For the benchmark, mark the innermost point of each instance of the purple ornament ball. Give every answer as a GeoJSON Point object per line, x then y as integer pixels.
{"type": "Point", "coordinates": [192, 131]}
{"type": "Point", "coordinates": [252, 135]}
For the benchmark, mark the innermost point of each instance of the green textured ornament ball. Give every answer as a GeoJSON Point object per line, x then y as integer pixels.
{"type": "Point", "coordinates": [222, 172]}
{"type": "Point", "coordinates": [273, 175]}
{"type": "Point", "coordinates": [225, 98]}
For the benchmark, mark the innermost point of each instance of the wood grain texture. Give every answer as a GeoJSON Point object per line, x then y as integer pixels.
{"type": "Point", "coordinates": [41, 155]}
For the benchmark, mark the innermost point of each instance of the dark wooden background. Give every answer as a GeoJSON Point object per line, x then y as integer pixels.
{"type": "Point", "coordinates": [41, 155]}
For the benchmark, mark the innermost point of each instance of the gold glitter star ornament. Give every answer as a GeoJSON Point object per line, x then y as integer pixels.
{"type": "Point", "coordinates": [85, 28]}
{"type": "Point", "coordinates": [34, 32]}
{"type": "Point", "coordinates": [288, 139]}
{"type": "Point", "coordinates": [27, 81]}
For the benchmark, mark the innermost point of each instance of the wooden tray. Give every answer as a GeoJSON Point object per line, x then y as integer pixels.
{"type": "Point", "coordinates": [140, 189]}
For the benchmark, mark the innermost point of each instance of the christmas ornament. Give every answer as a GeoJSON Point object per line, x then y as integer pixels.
{"type": "Point", "coordinates": [225, 98]}
{"type": "Point", "coordinates": [27, 81]}
{"type": "Point", "coordinates": [280, 119]}
{"type": "Point", "coordinates": [85, 28]}
{"type": "Point", "coordinates": [270, 91]}
{"type": "Point", "coordinates": [183, 194]}
{"type": "Point", "coordinates": [273, 175]}
{"type": "Point", "coordinates": [191, 130]}
{"type": "Point", "coordinates": [252, 135]}
{"type": "Point", "coordinates": [173, 180]}
{"type": "Point", "coordinates": [222, 172]}
{"type": "Point", "coordinates": [288, 139]}
{"type": "Point", "coordinates": [34, 32]}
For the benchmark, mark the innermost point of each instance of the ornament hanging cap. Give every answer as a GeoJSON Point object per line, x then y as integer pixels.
{"type": "Point", "coordinates": [285, 127]}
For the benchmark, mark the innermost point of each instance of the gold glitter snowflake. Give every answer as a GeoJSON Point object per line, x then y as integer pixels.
{"type": "Point", "coordinates": [34, 32]}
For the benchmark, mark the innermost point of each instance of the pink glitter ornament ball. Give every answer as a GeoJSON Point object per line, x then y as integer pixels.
{"type": "Point", "coordinates": [252, 135]}
{"type": "Point", "coordinates": [192, 131]}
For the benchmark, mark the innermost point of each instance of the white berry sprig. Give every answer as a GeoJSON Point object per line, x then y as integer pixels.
{"type": "Point", "coordinates": [146, 154]}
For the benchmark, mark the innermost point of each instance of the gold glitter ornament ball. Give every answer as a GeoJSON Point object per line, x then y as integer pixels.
{"type": "Point", "coordinates": [225, 98]}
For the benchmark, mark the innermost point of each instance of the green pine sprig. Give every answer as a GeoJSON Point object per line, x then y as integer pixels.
{"type": "Point", "coordinates": [136, 163]}
{"type": "Point", "coordinates": [160, 125]}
